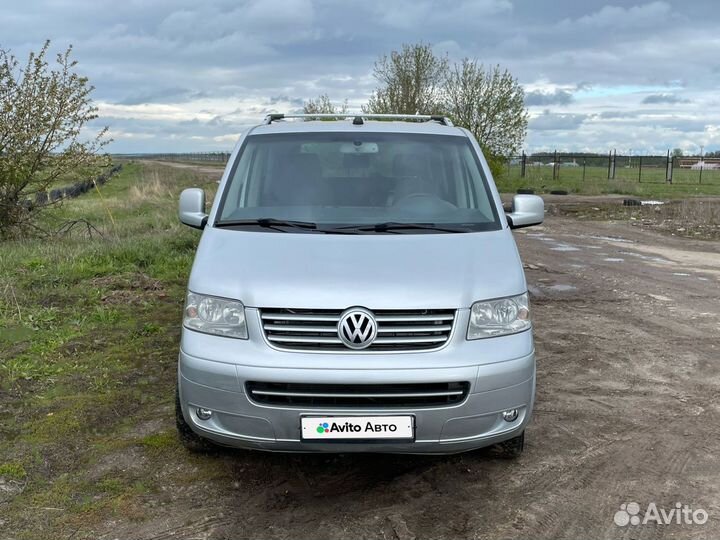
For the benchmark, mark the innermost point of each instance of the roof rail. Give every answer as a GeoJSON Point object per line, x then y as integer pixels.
{"type": "Point", "coordinates": [359, 117]}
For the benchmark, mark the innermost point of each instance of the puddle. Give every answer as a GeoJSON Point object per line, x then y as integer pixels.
{"type": "Point", "coordinates": [564, 247]}
{"type": "Point", "coordinates": [611, 239]}
{"type": "Point", "coordinates": [613, 259]}
{"type": "Point", "coordinates": [646, 257]}
{"type": "Point", "coordinates": [681, 274]}
{"type": "Point", "coordinates": [561, 287]}
{"type": "Point", "coordinates": [535, 291]}
{"type": "Point", "coordinates": [547, 239]}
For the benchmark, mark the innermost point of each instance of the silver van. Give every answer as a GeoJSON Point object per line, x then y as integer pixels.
{"type": "Point", "coordinates": [357, 288]}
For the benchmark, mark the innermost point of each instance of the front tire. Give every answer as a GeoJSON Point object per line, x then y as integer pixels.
{"type": "Point", "coordinates": [510, 449]}
{"type": "Point", "coordinates": [188, 438]}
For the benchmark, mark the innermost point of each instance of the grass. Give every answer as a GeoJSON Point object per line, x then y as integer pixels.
{"type": "Point", "coordinates": [160, 441]}
{"type": "Point", "coordinates": [12, 471]}
{"type": "Point", "coordinates": [686, 183]}
{"type": "Point", "coordinates": [691, 218]}
{"type": "Point", "coordinates": [89, 330]}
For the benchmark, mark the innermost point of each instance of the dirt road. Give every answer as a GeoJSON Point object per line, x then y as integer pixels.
{"type": "Point", "coordinates": [215, 170]}
{"type": "Point", "coordinates": [628, 343]}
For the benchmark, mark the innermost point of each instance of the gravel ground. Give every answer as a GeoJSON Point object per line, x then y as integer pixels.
{"type": "Point", "coordinates": [627, 331]}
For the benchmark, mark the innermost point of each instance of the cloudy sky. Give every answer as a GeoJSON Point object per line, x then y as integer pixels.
{"type": "Point", "coordinates": [181, 75]}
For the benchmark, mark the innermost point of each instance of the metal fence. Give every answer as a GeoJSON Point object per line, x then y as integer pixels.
{"type": "Point", "coordinates": [656, 169]}
{"type": "Point", "coordinates": [212, 157]}
{"type": "Point", "coordinates": [612, 166]}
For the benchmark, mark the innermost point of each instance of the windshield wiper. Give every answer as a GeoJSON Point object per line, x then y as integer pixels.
{"type": "Point", "coordinates": [393, 226]}
{"type": "Point", "coordinates": [268, 223]}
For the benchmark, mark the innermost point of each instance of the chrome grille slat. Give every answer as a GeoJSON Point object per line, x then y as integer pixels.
{"type": "Point", "coordinates": [413, 318]}
{"type": "Point", "coordinates": [289, 328]}
{"type": "Point", "coordinates": [316, 330]}
{"type": "Point", "coordinates": [423, 339]}
{"type": "Point", "coordinates": [405, 329]}
{"type": "Point", "coordinates": [304, 339]}
{"type": "Point", "coordinates": [296, 317]}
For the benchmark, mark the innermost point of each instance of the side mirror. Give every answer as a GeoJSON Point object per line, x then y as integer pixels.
{"type": "Point", "coordinates": [527, 210]}
{"type": "Point", "coordinates": [192, 208]}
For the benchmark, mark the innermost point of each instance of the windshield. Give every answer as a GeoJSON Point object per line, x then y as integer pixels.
{"type": "Point", "coordinates": [371, 182]}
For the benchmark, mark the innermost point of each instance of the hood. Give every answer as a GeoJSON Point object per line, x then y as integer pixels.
{"type": "Point", "coordinates": [377, 271]}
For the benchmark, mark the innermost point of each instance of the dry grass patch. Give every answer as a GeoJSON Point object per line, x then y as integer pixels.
{"type": "Point", "coordinates": [694, 218]}
{"type": "Point", "coordinates": [152, 187]}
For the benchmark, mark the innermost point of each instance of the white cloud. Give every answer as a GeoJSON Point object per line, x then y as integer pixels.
{"type": "Point", "coordinates": [186, 75]}
{"type": "Point", "coordinates": [634, 16]}
{"type": "Point", "coordinates": [227, 138]}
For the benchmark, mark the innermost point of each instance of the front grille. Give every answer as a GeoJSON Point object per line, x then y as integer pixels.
{"type": "Point", "coordinates": [357, 395]}
{"type": "Point", "coordinates": [398, 330]}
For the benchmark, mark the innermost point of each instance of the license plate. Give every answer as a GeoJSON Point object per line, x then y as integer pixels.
{"type": "Point", "coordinates": [356, 427]}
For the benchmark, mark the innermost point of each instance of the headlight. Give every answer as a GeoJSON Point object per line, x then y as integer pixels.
{"type": "Point", "coordinates": [213, 315]}
{"type": "Point", "coordinates": [499, 317]}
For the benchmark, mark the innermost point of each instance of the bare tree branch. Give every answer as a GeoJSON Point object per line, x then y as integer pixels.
{"type": "Point", "coordinates": [410, 81]}
{"type": "Point", "coordinates": [323, 105]}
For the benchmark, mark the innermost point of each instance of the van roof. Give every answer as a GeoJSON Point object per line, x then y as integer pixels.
{"type": "Point", "coordinates": [357, 122]}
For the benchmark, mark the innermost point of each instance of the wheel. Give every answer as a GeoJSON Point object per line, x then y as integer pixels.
{"type": "Point", "coordinates": [188, 438]}
{"type": "Point", "coordinates": [510, 449]}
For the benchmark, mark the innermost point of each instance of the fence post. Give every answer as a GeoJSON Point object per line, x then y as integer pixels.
{"type": "Point", "coordinates": [668, 168]}
{"type": "Point", "coordinates": [702, 165]}
{"type": "Point", "coordinates": [609, 163]}
{"type": "Point", "coordinates": [614, 167]}
{"type": "Point", "coordinates": [584, 163]}
{"type": "Point", "coordinates": [555, 166]}
{"type": "Point", "coordinates": [639, 169]}
{"type": "Point", "coordinates": [522, 164]}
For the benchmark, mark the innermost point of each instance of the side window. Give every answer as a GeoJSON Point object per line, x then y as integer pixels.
{"type": "Point", "coordinates": [256, 176]}
{"type": "Point", "coordinates": [474, 180]}
{"type": "Point", "coordinates": [461, 181]}
{"type": "Point", "coordinates": [244, 189]}
{"type": "Point", "coordinates": [238, 181]}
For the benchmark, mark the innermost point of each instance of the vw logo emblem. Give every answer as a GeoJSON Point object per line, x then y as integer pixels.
{"type": "Point", "coordinates": [357, 328]}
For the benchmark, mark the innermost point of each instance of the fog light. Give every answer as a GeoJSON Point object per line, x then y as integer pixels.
{"type": "Point", "coordinates": [510, 415]}
{"type": "Point", "coordinates": [203, 414]}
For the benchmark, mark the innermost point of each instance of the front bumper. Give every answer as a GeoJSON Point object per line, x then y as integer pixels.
{"type": "Point", "coordinates": [212, 372]}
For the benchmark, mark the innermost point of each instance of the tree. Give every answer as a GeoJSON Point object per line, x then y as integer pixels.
{"type": "Point", "coordinates": [490, 103]}
{"type": "Point", "coordinates": [677, 152]}
{"type": "Point", "coordinates": [323, 105]}
{"type": "Point", "coordinates": [43, 113]}
{"type": "Point", "coordinates": [410, 81]}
